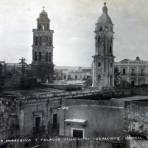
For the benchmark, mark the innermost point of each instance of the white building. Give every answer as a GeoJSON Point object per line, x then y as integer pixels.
{"type": "Point", "coordinates": [72, 73]}
{"type": "Point", "coordinates": [133, 71]}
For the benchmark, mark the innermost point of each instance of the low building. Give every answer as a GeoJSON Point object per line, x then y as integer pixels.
{"type": "Point", "coordinates": [91, 118]}
{"type": "Point", "coordinates": [133, 71]}
{"type": "Point", "coordinates": [72, 73]}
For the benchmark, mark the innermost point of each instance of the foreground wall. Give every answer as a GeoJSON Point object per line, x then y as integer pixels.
{"type": "Point", "coordinates": [95, 118]}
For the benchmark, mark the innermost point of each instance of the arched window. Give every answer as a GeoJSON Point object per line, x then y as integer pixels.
{"type": "Point", "coordinates": [142, 72]}
{"type": "Point", "coordinates": [35, 40]}
{"type": "Point", "coordinates": [133, 71]}
{"type": "Point", "coordinates": [50, 41]}
{"type": "Point", "coordinates": [49, 57]}
{"type": "Point", "coordinates": [99, 39]}
{"type": "Point", "coordinates": [40, 56]}
{"type": "Point", "coordinates": [110, 50]}
{"type": "Point", "coordinates": [99, 77]}
{"type": "Point", "coordinates": [40, 40]}
{"type": "Point", "coordinates": [47, 26]}
{"type": "Point", "coordinates": [43, 27]}
{"type": "Point", "coordinates": [76, 77]}
{"type": "Point", "coordinates": [101, 28]}
{"type": "Point", "coordinates": [124, 71]}
{"type": "Point", "coordinates": [35, 56]}
{"type": "Point", "coordinates": [111, 80]}
{"type": "Point", "coordinates": [39, 27]}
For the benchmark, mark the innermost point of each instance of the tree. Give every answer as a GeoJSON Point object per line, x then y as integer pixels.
{"type": "Point", "coordinates": [117, 77]}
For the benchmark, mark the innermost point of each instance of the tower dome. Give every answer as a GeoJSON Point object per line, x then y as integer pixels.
{"type": "Point", "coordinates": [104, 18]}
{"type": "Point", "coordinates": [43, 17]}
{"type": "Point", "coordinates": [43, 14]}
{"type": "Point", "coordinates": [43, 21]}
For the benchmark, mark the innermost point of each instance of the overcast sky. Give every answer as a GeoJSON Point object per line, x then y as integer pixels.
{"type": "Point", "coordinates": [73, 22]}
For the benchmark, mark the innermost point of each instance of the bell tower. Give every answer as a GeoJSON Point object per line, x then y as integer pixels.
{"type": "Point", "coordinates": [42, 53]}
{"type": "Point", "coordinates": [103, 60]}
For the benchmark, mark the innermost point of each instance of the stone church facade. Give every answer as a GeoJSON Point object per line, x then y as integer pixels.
{"type": "Point", "coordinates": [103, 60]}
{"type": "Point", "coordinates": [42, 53]}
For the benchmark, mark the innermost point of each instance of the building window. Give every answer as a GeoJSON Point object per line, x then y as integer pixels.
{"type": "Point", "coordinates": [77, 133]}
{"type": "Point", "coordinates": [142, 72]}
{"type": "Point", "coordinates": [99, 64]}
{"type": "Point", "coordinates": [50, 41]}
{"type": "Point", "coordinates": [55, 120]}
{"type": "Point", "coordinates": [133, 71]}
{"type": "Point", "coordinates": [76, 77]}
{"type": "Point", "coordinates": [37, 121]}
{"type": "Point", "coordinates": [40, 40]}
{"type": "Point", "coordinates": [99, 77]}
{"type": "Point", "coordinates": [110, 50]}
{"type": "Point", "coordinates": [101, 28]}
{"type": "Point", "coordinates": [46, 56]}
{"type": "Point", "coordinates": [40, 56]}
{"type": "Point", "coordinates": [43, 27]}
{"type": "Point", "coordinates": [111, 80]}
{"type": "Point", "coordinates": [111, 65]}
{"type": "Point", "coordinates": [39, 26]}
{"type": "Point", "coordinates": [35, 56]}
{"type": "Point", "coordinates": [69, 77]}
{"type": "Point", "coordinates": [124, 71]}
{"type": "Point", "coordinates": [49, 57]}
{"type": "Point", "coordinates": [35, 40]}
{"type": "Point", "coordinates": [64, 77]}
{"type": "Point", "coordinates": [133, 83]}
{"type": "Point", "coordinates": [47, 26]}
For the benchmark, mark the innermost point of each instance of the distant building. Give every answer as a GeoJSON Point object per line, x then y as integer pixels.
{"type": "Point", "coordinates": [133, 71]}
{"type": "Point", "coordinates": [103, 60]}
{"type": "Point", "coordinates": [42, 54]}
{"type": "Point", "coordinates": [71, 73]}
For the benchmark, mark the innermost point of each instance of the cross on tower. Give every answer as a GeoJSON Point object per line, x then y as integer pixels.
{"type": "Point", "coordinates": [106, 1]}
{"type": "Point", "coordinates": [43, 8]}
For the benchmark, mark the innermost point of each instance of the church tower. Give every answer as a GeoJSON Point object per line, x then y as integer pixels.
{"type": "Point", "coordinates": [42, 53]}
{"type": "Point", "coordinates": [103, 60]}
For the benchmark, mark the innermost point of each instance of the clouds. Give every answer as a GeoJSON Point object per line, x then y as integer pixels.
{"type": "Point", "coordinates": [73, 22]}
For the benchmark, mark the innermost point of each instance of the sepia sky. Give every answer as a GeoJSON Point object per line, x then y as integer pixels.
{"type": "Point", "coordinates": [73, 22]}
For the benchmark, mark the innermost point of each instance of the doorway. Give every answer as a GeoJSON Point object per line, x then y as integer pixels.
{"type": "Point", "coordinates": [37, 121]}
{"type": "Point", "coordinates": [133, 83]}
{"type": "Point", "coordinates": [78, 133]}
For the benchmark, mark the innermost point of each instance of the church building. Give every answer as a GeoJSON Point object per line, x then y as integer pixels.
{"type": "Point", "coordinates": [42, 53]}
{"type": "Point", "coordinates": [103, 60]}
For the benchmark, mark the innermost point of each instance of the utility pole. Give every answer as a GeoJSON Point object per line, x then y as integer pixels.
{"type": "Point", "coordinates": [23, 65]}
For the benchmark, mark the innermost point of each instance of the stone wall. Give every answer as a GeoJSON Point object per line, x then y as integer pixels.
{"type": "Point", "coordinates": [136, 113]}
{"type": "Point", "coordinates": [73, 144]}
{"type": "Point", "coordinates": [137, 143]}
